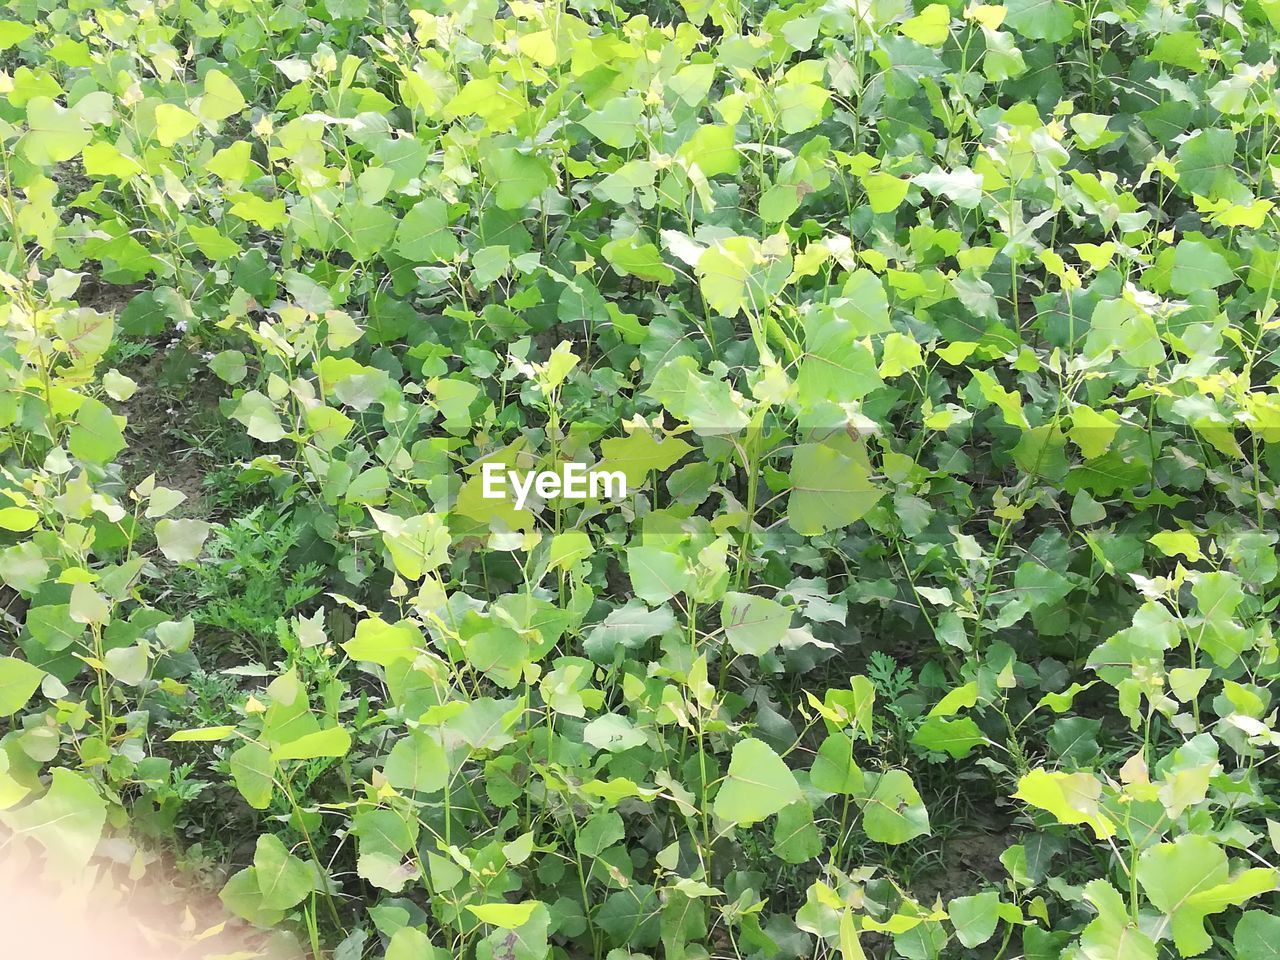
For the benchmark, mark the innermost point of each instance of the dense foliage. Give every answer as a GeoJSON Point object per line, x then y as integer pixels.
{"type": "Point", "coordinates": [937, 347]}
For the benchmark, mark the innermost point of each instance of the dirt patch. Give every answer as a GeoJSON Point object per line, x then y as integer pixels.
{"type": "Point", "coordinates": [105, 297]}
{"type": "Point", "coordinates": [167, 418]}
{"type": "Point", "coordinates": [176, 398]}
{"type": "Point", "coordinates": [970, 863]}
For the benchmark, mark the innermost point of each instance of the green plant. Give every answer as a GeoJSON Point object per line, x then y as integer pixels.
{"type": "Point", "coordinates": [247, 583]}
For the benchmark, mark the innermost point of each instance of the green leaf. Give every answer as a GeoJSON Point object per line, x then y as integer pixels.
{"type": "Point", "coordinates": [956, 737]}
{"type": "Point", "coordinates": [742, 274]}
{"type": "Point", "coordinates": [283, 879]}
{"type": "Point", "coordinates": [1008, 401]}
{"type": "Point", "coordinates": [709, 405]}
{"type": "Point", "coordinates": [885, 192]}
{"type": "Point", "coordinates": [1197, 266]}
{"type": "Point", "coordinates": [1173, 543]}
{"type": "Point", "coordinates": [417, 544]}
{"type": "Point", "coordinates": [975, 917]}
{"type": "Point", "coordinates": [962, 186]}
{"type": "Point", "coordinates": [834, 769]}
{"type": "Point", "coordinates": [901, 354]}
{"type": "Point", "coordinates": [828, 490]}
{"type": "Point", "coordinates": [615, 123]}
{"type": "Point", "coordinates": [105, 160]}
{"type": "Point", "coordinates": [233, 163]}
{"type": "Point", "coordinates": [201, 734]}
{"type": "Point", "coordinates": [88, 333]}
{"type": "Point", "coordinates": [712, 149]}
{"type": "Point", "coordinates": [892, 811]}
{"type": "Point", "coordinates": [96, 436]}
{"type": "Point", "coordinates": [640, 454]}
{"type": "Point", "coordinates": [1121, 326]}
{"type": "Point", "coordinates": [1179, 49]}
{"type": "Point", "coordinates": [118, 386]}
{"type": "Point", "coordinates": [613, 733]}
{"type": "Point", "coordinates": [18, 681]}
{"type": "Point", "coordinates": [1189, 879]}
{"type": "Point", "coordinates": [67, 821]}
{"type": "Point", "coordinates": [638, 257]}
{"type": "Point", "coordinates": [758, 785]}
{"type": "Point", "coordinates": [254, 770]}
{"type": "Point", "coordinates": [517, 177]}
{"type": "Point", "coordinates": [212, 243]}
{"type": "Point", "coordinates": [181, 540]}
{"type": "Point", "coordinates": [1052, 20]}
{"type": "Point", "coordinates": [173, 123]}
{"type": "Point", "coordinates": [628, 627]}
{"type": "Point", "coordinates": [1004, 61]}
{"type": "Point", "coordinates": [838, 363]}
{"type": "Point", "coordinates": [221, 97]}
{"type": "Point", "coordinates": [332, 742]}
{"type": "Point", "coordinates": [752, 624]}
{"type": "Point", "coordinates": [1069, 797]}
{"type": "Point", "coordinates": [13, 33]}
{"type": "Point", "coordinates": [229, 366]}
{"type": "Point", "coordinates": [508, 916]}
{"type": "Point", "coordinates": [929, 26]}
{"type": "Point", "coordinates": [54, 134]}
{"type": "Point", "coordinates": [377, 641]}
{"type": "Point", "coordinates": [1093, 432]}
{"type": "Point", "coordinates": [417, 763]}
{"type": "Point", "coordinates": [1091, 130]}
{"type": "Point", "coordinates": [128, 665]}
{"type": "Point", "coordinates": [1113, 934]}
{"type": "Point", "coordinates": [268, 214]}
{"type": "Point", "coordinates": [243, 897]}
{"type": "Point", "coordinates": [18, 519]}
{"type": "Point", "coordinates": [795, 835]}
{"type": "Point", "coordinates": [568, 549]}
{"type": "Point", "coordinates": [656, 574]}
{"type": "Point", "coordinates": [961, 698]}
{"type": "Point", "coordinates": [1205, 163]}
{"type": "Point", "coordinates": [410, 943]}
{"type": "Point", "coordinates": [1257, 936]}
{"type": "Point", "coordinates": [424, 235]}
{"type": "Point", "coordinates": [800, 105]}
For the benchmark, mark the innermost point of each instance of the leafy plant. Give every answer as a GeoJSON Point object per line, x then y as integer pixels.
{"type": "Point", "coordinates": [246, 583]}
